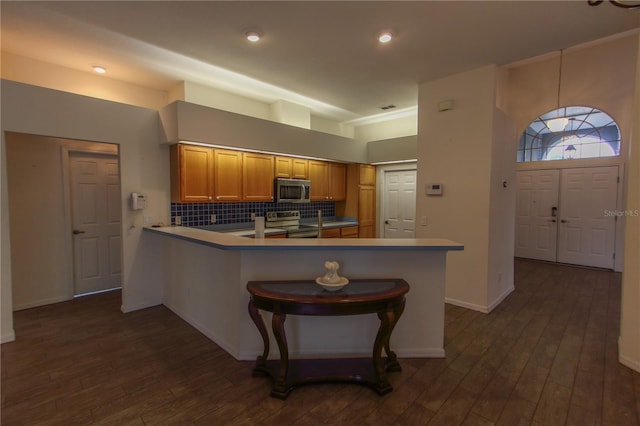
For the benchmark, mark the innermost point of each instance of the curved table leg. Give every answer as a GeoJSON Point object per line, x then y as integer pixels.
{"type": "Point", "coordinates": [280, 388]}
{"type": "Point", "coordinates": [392, 363]}
{"type": "Point", "coordinates": [387, 319]}
{"type": "Point", "coordinates": [261, 361]}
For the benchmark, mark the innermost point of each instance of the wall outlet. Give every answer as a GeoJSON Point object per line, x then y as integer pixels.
{"type": "Point", "coordinates": [213, 218]}
{"type": "Point", "coordinates": [423, 221]}
{"type": "Point", "coordinates": [147, 220]}
{"type": "Point", "coordinates": [178, 220]}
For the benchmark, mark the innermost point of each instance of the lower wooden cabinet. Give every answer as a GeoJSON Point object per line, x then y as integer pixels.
{"type": "Point", "coordinates": [331, 233]}
{"type": "Point", "coordinates": [276, 236]}
{"type": "Point", "coordinates": [349, 232]}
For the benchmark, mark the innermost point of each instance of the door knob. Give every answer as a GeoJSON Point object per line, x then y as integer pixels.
{"type": "Point", "coordinates": [386, 222]}
{"type": "Point", "coordinates": [77, 231]}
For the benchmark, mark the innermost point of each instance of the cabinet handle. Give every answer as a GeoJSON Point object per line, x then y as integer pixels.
{"type": "Point", "coordinates": [209, 196]}
{"type": "Point", "coordinates": [77, 232]}
{"type": "Point", "coordinates": [564, 221]}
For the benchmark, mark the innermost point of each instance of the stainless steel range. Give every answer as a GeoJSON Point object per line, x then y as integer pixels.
{"type": "Point", "coordinates": [290, 220]}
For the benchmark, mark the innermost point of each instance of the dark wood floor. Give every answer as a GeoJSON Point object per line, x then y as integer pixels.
{"type": "Point", "coordinates": [546, 356]}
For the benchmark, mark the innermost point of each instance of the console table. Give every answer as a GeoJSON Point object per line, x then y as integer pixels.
{"type": "Point", "coordinates": [385, 297]}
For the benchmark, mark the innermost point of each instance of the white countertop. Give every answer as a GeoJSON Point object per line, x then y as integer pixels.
{"type": "Point", "coordinates": [229, 241]}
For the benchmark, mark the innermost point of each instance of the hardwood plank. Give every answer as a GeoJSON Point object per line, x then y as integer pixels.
{"type": "Point", "coordinates": [546, 355]}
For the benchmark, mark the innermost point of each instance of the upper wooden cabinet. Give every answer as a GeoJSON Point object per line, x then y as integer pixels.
{"type": "Point", "coordinates": [257, 177]}
{"type": "Point", "coordinates": [299, 168]}
{"type": "Point", "coordinates": [202, 174]}
{"type": "Point", "coordinates": [227, 167]}
{"type": "Point", "coordinates": [191, 173]}
{"type": "Point", "coordinates": [327, 181]}
{"type": "Point", "coordinates": [292, 168]}
{"type": "Point", "coordinates": [337, 181]}
{"type": "Point", "coordinates": [367, 174]}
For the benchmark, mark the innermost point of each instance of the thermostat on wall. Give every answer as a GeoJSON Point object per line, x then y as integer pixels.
{"type": "Point", "coordinates": [434, 189]}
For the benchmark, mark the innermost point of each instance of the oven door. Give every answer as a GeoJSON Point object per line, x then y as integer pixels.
{"type": "Point", "coordinates": [302, 233]}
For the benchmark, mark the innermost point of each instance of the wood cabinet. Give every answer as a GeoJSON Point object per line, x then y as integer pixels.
{"type": "Point", "coordinates": [257, 176]}
{"type": "Point", "coordinates": [227, 179]}
{"type": "Point", "coordinates": [327, 181]}
{"type": "Point", "coordinates": [360, 200]}
{"type": "Point", "coordinates": [282, 167]}
{"type": "Point", "coordinates": [191, 173]}
{"type": "Point", "coordinates": [292, 168]}
{"type": "Point", "coordinates": [349, 232]}
{"type": "Point", "coordinates": [299, 168]}
{"type": "Point", "coordinates": [331, 233]}
{"type": "Point", "coordinates": [202, 174]}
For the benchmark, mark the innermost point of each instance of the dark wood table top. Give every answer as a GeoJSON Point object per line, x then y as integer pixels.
{"type": "Point", "coordinates": [300, 293]}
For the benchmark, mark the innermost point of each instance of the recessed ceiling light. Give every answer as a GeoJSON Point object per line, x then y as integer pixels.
{"type": "Point", "coordinates": [252, 36]}
{"type": "Point", "coordinates": [385, 37]}
{"type": "Point", "coordinates": [99, 69]}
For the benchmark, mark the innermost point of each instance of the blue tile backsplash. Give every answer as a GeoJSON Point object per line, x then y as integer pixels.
{"type": "Point", "coordinates": [199, 214]}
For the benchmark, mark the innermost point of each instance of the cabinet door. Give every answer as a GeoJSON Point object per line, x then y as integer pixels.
{"type": "Point", "coordinates": [299, 168]}
{"type": "Point", "coordinates": [319, 177]}
{"type": "Point", "coordinates": [367, 174]}
{"type": "Point", "coordinates": [349, 232]}
{"type": "Point", "coordinates": [283, 167]}
{"type": "Point", "coordinates": [331, 233]}
{"type": "Point", "coordinates": [192, 173]}
{"type": "Point", "coordinates": [227, 175]}
{"type": "Point", "coordinates": [257, 177]}
{"type": "Point", "coordinates": [366, 211]}
{"type": "Point", "coordinates": [337, 182]}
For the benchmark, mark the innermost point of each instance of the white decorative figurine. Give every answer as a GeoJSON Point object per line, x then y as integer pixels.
{"type": "Point", "coordinates": [331, 281]}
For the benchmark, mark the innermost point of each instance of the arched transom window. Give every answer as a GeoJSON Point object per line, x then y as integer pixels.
{"type": "Point", "coordinates": [570, 133]}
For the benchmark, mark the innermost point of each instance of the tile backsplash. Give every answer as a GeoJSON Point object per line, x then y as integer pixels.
{"type": "Point", "coordinates": [199, 214]}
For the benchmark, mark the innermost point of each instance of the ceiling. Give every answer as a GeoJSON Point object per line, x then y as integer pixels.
{"type": "Point", "coordinates": [320, 54]}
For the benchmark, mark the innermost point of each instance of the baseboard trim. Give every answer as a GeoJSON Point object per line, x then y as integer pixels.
{"type": "Point", "coordinates": [466, 305]}
{"type": "Point", "coordinates": [130, 308]}
{"type": "Point", "coordinates": [41, 302]}
{"type": "Point", "coordinates": [6, 338]}
{"type": "Point", "coordinates": [626, 361]}
{"type": "Point", "coordinates": [211, 335]}
{"type": "Point", "coordinates": [500, 298]}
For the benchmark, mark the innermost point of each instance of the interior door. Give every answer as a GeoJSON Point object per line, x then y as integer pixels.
{"type": "Point", "coordinates": [96, 220]}
{"type": "Point", "coordinates": [536, 214]}
{"type": "Point", "coordinates": [586, 234]}
{"type": "Point", "coordinates": [399, 205]}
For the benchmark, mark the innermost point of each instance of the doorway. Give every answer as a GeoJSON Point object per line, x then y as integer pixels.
{"type": "Point", "coordinates": [398, 203]}
{"type": "Point", "coordinates": [96, 221]}
{"type": "Point", "coordinates": [561, 215]}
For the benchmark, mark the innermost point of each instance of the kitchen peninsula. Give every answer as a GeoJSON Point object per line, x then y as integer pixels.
{"type": "Point", "coordinates": [205, 276]}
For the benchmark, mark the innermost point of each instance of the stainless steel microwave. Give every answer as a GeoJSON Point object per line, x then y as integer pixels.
{"type": "Point", "coordinates": [293, 190]}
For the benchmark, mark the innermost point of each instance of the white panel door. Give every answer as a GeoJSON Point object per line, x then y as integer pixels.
{"type": "Point", "coordinates": [536, 214]}
{"type": "Point", "coordinates": [96, 220]}
{"type": "Point", "coordinates": [399, 205]}
{"type": "Point", "coordinates": [586, 234]}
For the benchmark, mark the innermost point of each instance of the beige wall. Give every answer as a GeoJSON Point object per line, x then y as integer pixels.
{"type": "Point", "coordinates": [39, 217]}
{"type": "Point", "coordinates": [458, 148]}
{"type": "Point", "coordinates": [630, 307]}
{"type": "Point", "coordinates": [144, 165]}
{"type": "Point", "coordinates": [605, 76]}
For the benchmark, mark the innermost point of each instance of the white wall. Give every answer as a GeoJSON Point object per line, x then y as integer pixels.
{"type": "Point", "coordinates": [144, 165]}
{"type": "Point", "coordinates": [458, 148]}
{"type": "Point", "coordinates": [29, 71]}
{"type": "Point", "coordinates": [39, 225]}
{"type": "Point", "coordinates": [630, 307]}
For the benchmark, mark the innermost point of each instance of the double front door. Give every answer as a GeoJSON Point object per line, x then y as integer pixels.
{"type": "Point", "coordinates": [566, 215]}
